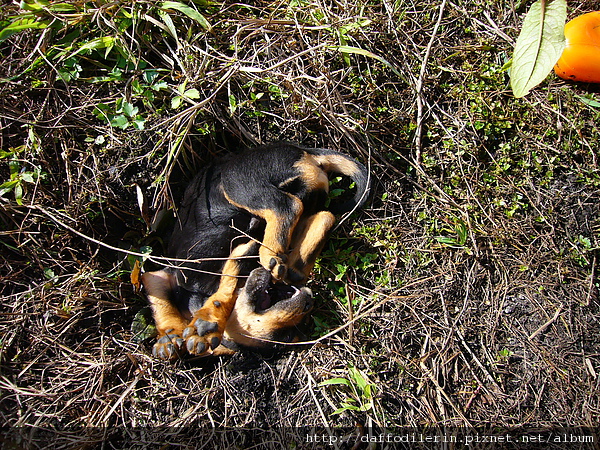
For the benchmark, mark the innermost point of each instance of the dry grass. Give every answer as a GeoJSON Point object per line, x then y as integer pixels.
{"type": "Point", "coordinates": [481, 309]}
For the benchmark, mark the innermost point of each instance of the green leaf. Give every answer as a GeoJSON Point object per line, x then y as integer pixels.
{"type": "Point", "coordinates": [26, 22]}
{"type": "Point", "coordinates": [62, 8]}
{"type": "Point", "coordinates": [27, 177]}
{"type": "Point", "coordinates": [101, 111]}
{"type": "Point", "coordinates": [119, 121]}
{"type": "Point", "coordinates": [33, 5]}
{"type": "Point", "coordinates": [160, 85]}
{"type": "Point", "coordinates": [539, 45]}
{"type": "Point", "coordinates": [176, 102]}
{"type": "Point", "coordinates": [446, 240]}
{"type": "Point", "coordinates": [461, 232]}
{"type": "Point", "coordinates": [8, 186]}
{"type": "Point", "coordinates": [142, 326]}
{"type": "Point", "coordinates": [365, 407]}
{"type": "Point", "coordinates": [349, 406]}
{"type": "Point", "coordinates": [192, 93]}
{"type": "Point", "coordinates": [49, 273]}
{"type": "Point", "coordinates": [232, 104]}
{"type": "Point", "coordinates": [188, 11]}
{"type": "Point", "coordinates": [150, 76]}
{"type": "Point", "coordinates": [101, 42]}
{"type": "Point", "coordinates": [14, 167]}
{"type": "Point", "coordinates": [139, 123]}
{"type": "Point", "coordinates": [358, 378]}
{"type": "Point", "coordinates": [129, 110]}
{"type": "Point", "coordinates": [18, 191]}
{"type": "Point", "coordinates": [106, 42]}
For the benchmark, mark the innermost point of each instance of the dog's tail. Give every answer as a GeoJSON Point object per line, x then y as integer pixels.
{"type": "Point", "coordinates": [335, 162]}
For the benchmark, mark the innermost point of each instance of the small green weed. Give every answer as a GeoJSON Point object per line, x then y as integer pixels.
{"type": "Point", "coordinates": [121, 115]}
{"type": "Point", "coordinates": [581, 250]}
{"type": "Point", "coordinates": [341, 256]}
{"type": "Point", "coordinates": [458, 228]}
{"type": "Point", "coordinates": [359, 391]}
{"type": "Point", "coordinates": [183, 94]}
{"type": "Point", "coordinates": [20, 174]}
{"type": "Point", "coordinates": [124, 113]}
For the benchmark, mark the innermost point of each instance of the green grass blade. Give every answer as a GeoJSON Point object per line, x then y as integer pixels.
{"type": "Point", "coordinates": [347, 49]}
{"type": "Point", "coordinates": [34, 5]}
{"type": "Point", "coordinates": [188, 11]}
{"type": "Point", "coordinates": [588, 101]}
{"type": "Point", "coordinates": [335, 381]}
{"type": "Point", "coordinates": [169, 23]}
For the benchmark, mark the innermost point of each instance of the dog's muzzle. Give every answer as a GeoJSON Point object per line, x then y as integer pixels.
{"type": "Point", "coordinates": [265, 295]}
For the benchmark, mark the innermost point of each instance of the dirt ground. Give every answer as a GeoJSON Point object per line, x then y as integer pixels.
{"type": "Point", "coordinates": [463, 299]}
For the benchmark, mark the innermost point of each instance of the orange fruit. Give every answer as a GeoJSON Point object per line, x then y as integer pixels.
{"type": "Point", "coordinates": [580, 60]}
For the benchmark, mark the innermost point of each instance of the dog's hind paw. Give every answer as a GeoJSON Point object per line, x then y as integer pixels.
{"type": "Point", "coordinates": [202, 337]}
{"type": "Point", "coordinates": [277, 266]}
{"type": "Point", "coordinates": [169, 346]}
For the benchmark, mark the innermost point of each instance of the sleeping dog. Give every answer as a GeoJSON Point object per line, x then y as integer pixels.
{"type": "Point", "coordinates": [247, 235]}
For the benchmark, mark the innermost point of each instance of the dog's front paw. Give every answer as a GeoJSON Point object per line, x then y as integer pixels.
{"type": "Point", "coordinates": [202, 337]}
{"type": "Point", "coordinates": [169, 346]}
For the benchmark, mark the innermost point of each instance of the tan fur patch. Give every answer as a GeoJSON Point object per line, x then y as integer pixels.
{"type": "Point", "coordinates": [338, 164]}
{"type": "Point", "coordinates": [312, 173]}
{"type": "Point", "coordinates": [166, 315]}
{"type": "Point", "coordinates": [309, 238]}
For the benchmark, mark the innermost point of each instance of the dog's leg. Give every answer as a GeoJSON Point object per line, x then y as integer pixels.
{"type": "Point", "coordinates": [308, 240]}
{"type": "Point", "coordinates": [205, 331]}
{"type": "Point", "coordinates": [281, 212]}
{"type": "Point", "coordinates": [278, 235]}
{"type": "Point", "coordinates": [168, 319]}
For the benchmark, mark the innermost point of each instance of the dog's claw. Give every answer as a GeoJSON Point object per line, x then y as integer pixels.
{"type": "Point", "coordinates": [277, 267]}
{"type": "Point", "coordinates": [280, 272]}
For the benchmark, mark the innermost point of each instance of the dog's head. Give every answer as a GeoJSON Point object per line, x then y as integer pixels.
{"type": "Point", "coordinates": [266, 313]}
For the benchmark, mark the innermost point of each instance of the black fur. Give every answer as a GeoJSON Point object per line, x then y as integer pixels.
{"type": "Point", "coordinates": [207, 222]}
{"type": "Point", "coordinates": [276, 197]}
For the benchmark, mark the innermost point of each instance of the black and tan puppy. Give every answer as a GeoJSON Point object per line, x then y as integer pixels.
{"type": "Point", "coordinates": [248, 233]}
